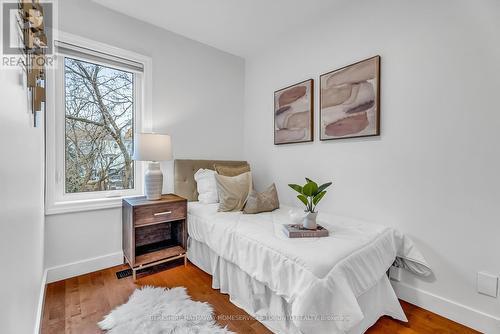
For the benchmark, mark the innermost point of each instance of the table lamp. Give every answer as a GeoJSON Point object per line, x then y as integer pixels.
{"type": "Point", "coordinates": [152, 147]}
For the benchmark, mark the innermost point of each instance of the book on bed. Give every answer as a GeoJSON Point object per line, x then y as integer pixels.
{"type": "Point", "coordinates": [297, 231]}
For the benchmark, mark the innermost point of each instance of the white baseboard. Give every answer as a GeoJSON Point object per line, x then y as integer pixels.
{"type": "Point", "coordinates": [41, 300]}
{"type": "Point", "coordinates": [462, 314]}
{"type": "Point", "coordinates": [83, 267]}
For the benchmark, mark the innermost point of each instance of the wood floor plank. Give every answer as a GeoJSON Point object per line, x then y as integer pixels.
{"type": "Point", "coordinates": [76, 305]}
{"type": "Point", "coordinates": [54, 312]}
{"type": "Point", "coordinates": [72, 300]}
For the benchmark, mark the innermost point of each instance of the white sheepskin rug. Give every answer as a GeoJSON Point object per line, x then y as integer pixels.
{"type": "Point", "coordinates": [151, 310]}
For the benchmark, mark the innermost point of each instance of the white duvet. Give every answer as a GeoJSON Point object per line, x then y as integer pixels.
{"type": "Point", "coordinates": [320, 277]}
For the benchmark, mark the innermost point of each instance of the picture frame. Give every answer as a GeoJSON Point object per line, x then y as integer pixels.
{"type": "Point", "coordinates": [350, 101]}
{"type": "Point", "coordinates": [294, 113]}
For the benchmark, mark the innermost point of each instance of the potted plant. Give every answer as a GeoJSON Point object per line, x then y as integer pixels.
{"type": "Point", "coordinates": [310, 195]}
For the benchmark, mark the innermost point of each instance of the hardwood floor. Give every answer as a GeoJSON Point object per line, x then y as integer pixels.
{"type": "Point", "coordinates": [75, 305]}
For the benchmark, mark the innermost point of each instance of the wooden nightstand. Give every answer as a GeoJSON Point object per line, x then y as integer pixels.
{"type": "Point", "coordinates": [154, 232]}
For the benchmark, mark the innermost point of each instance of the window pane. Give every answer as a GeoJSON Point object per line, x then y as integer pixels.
{"type": "Point", "coordinates": [99, 103]}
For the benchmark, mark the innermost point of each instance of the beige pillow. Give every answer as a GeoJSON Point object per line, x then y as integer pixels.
{"type": "Point", "coordinates": [228, 170]}
{"type": "Point", "coordinates": [262, 202]}
{"type": "Point", "coordinates": [233, 191]}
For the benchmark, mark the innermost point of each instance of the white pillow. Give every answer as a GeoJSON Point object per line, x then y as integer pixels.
{"type": "Point", "coordinates": [207, 188]}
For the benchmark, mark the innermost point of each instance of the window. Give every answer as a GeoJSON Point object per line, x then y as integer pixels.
{"type": "Point", "coordinates": [99, 127]}
{"type": "Point", "coordinates": [98, 95]}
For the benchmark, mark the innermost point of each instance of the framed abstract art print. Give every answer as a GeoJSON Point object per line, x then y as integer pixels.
{"type": "Point", "coordinates": [350, 101]}
{"type": "Point", "coordinates": [294, 113]}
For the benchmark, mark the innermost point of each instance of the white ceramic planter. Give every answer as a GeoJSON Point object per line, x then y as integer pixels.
{"type": "Point", "coordinates": [309, 221]}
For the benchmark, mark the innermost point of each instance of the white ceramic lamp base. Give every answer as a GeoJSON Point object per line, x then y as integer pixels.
{"type": "Point", "coordinates": [153, 181]}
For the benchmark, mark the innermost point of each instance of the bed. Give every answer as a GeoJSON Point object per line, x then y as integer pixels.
{"type": "Point", "coordinates": [336, 284]}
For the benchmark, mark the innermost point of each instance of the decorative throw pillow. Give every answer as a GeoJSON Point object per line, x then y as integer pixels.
{"type": "Point", "coordinates": [206, 186]}
{"type": "Point", "coordinates": [233, 191]}
{"type": "Point", "coordinates": [231, 170]}
{"type": "Point", "coordinates": [262, 202]}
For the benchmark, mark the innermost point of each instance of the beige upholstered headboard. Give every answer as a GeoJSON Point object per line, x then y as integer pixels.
{"type": "Point", "coordinates": [184, 183]}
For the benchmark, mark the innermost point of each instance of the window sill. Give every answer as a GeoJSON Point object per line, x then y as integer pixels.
{"type": "Point", "coordinates": [83, 205]}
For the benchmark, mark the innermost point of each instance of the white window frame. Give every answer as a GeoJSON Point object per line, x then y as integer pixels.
{"type": "Point", "coordinates": [56, 199]}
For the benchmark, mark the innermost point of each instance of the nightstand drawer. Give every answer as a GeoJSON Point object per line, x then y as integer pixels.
{"type": "Point", "coordinates": [153, 214]}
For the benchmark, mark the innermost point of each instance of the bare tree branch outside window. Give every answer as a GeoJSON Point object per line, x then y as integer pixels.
{"type": "Point", "coordinates": [99, 103]}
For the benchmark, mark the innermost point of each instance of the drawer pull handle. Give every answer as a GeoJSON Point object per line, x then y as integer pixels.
{"type": "Point", "coordinates": [162, 213]}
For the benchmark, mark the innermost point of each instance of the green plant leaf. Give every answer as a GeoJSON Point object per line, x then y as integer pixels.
{"type": "Point", "coordinates": [296, 187]}
{"type": "Point", "coordinates": [324, 186]}
{"type": "Point", "coordinates": [310, 189]}
{"type": "Point", "coordinates": [309, 180]}
{"type": "Point", "coordinates": [303, 199]}
{"type": "Point", "coordinates": [318, 197]}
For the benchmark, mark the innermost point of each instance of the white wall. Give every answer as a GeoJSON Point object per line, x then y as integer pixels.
{"type": "Point", "coordinates": [21, 208]}
{"type": "Point", "coordinates": [433, 173]}
{"type": "Point", "coordinates": [197, 99]}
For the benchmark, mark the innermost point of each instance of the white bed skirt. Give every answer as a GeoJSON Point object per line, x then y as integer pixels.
{"type": "Point", "coordinates": [269, 308]}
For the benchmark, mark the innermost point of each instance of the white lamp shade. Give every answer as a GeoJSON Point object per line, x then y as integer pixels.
{"type": "Point", "coordinates": [152, 147]}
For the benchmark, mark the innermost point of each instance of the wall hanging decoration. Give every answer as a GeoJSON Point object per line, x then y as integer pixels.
{"type": "Point", "coordinates": [293, 113]}
{"type": "Point", "coordinates": [33, 45]}
{"type": "Point", "coordinates": [350, 101]}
